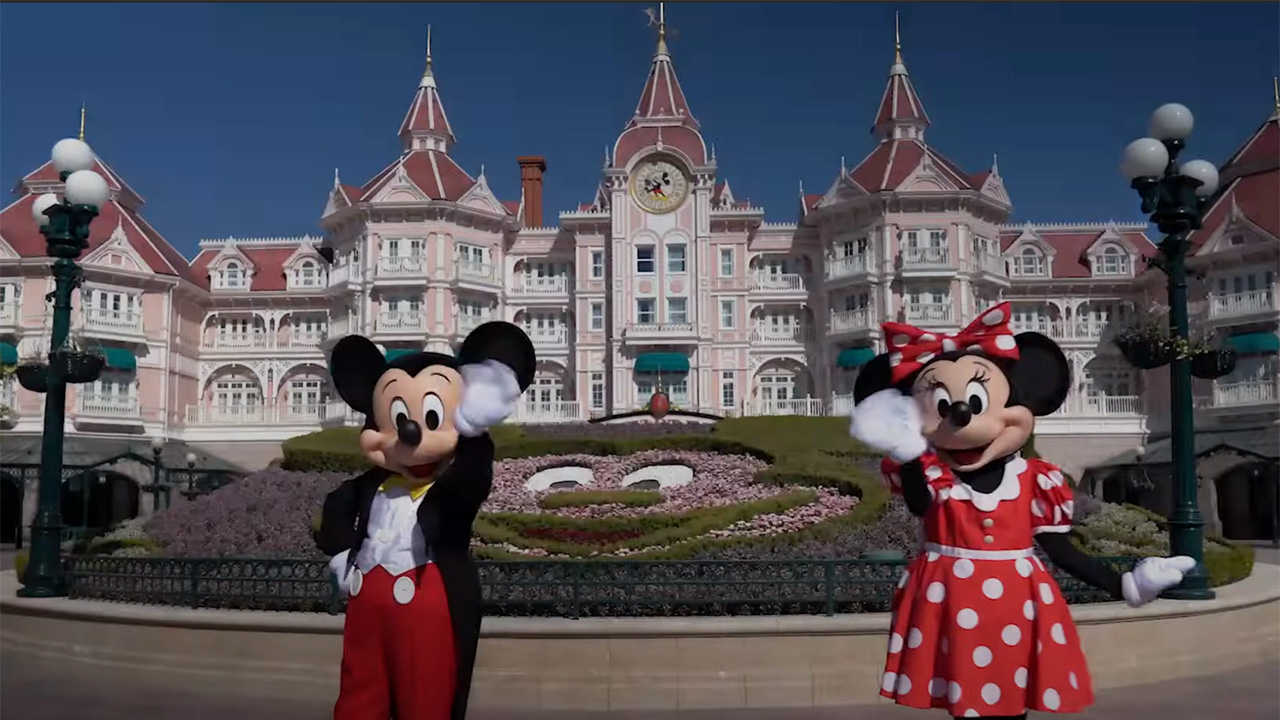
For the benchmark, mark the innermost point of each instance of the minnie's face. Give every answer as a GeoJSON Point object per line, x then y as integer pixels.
{"type": "Point", "coordinates": [964, 406]}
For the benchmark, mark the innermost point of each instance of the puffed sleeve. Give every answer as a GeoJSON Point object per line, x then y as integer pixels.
{"type": "Point", "coordinates": [891, 471]}
{"type": "Point", "coordinates": [1052, 499]}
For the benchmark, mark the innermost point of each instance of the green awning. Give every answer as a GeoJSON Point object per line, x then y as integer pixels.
{"type": "Point", "coordinates": [662, 362]}
{"type": "Point", "coordinates": [394, 353]}
{"type": "Point", "coordinates": [1254, 343]}
{"type": "Point", "coordinates": [8, 354]}
{"type": "Point", "coordinates": [855, 357]}
{"type": "Point", "coordinates": [120, 359]}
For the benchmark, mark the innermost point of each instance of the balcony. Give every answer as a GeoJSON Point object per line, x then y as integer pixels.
{"type": "Point", "coordinates": [256, 341]}
{"type": "Point", "coordinates": [930, 314]}
{"type": "Point", "coordinates": [656, 332]}
{"type": "Point", "coordinates": [402, 266]}
{"type": "Point", "coordinates": [105, 321]}
{"type": "Point", "coordinates": [928, 259]}
{"type": "Point", "coordinates": [850, 266]}
{"type": "Point", "coordinates": [111, 409]}
{"type": "Point", "coordinates": [782, 334]}
{"type": "Point", "coordinates": [1244, 304]}
{"type": "Point", "coordinates": [467, 323]}
{"type": "Point", "coordinates": [400, 321]}
{"type": "Point", "coordinates": [304, 341]}
{"type": "Point", "coordinates": [552, 411]}
{"type": "Point", "coordinates": [1064, 330]}
{"type": "Point", "coordinates": [556, 338]}
{"type": "Point", "coordinates": [342, 275]}
{"type": "Point", "coordinates": [988, 264]}
{"type": "Point", "coordinates": [9, 315]}
{"type": "Point", "coordinates": [265, 414]}
{"type": "Point", "coordinates": [1245, 393]}
{"type": "Point", "coordinates": [808, 407]}
{"type": "Point", "coordinates": [472, 272]}
{"type": "Point", "coordinates": [1101, 405]}
{"type": "Point", "coordinates": [533, 287]}
{"type": "Point", "coordinates": [851, 321]}
{"type": "Point", "coordinates": [778, 283]}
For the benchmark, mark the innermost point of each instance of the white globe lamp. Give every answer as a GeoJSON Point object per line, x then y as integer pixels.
{"type": "Point", "coordinates": [42, 203]}
{"type": "Point", "coordinates": [71, 155]}
{"type": "Point", "coordinates": [1144, 157]}
{"type": "Point", "coordinates": [86, 187]}
{"type": "Point", "coordinates": [1205, 172]}
{"type": "Point", "coordinates": [1171, 121]}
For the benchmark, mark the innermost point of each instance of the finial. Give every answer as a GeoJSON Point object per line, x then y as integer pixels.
{"type": "Point", "coordinates": [843, 171]}
{"type": "Point", "coordinates": [428, 77]}
{"type": "Point", "coordinates": [897, 41]}
{"type": "Point", "coordinates": [662, 28]}
{"type": "Point", "coordinates": [82, 122]}
{"type": "Point", "coordinates": [336, 181]}
{"type": "Point", "coordinates": [713, 152]}
{"type": "Point", "coordinates": [428, 45]}
{"type": "Point", "coordinates": [1275, 89]}
{"type": "Point", "coordinates": [802, 188]}
{"type": "Point", "coordinates": [995, 163]}
{"type": "Point", "coordinates": [606, 156]}
{"type": "Point", "coordinates": [481, 169]}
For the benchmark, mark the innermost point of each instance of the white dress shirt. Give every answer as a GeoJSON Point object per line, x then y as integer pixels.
{"type": "Point", "coordinates": [394, 540]}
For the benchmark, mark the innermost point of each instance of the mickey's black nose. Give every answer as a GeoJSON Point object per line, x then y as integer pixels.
{"type": "Point", "coordinates": [409, 432]}
{"type": "Point", "coordinates": [961, 414]}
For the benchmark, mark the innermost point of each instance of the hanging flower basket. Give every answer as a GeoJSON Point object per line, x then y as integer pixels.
{"type": "Point", "coordinates": [79, 367]}
{"type": "Point", "coordinates": [1213, 364]}
{"type": "Point", "coordinates": [1146, 348]}
{"type": "Point", "coordinates": [33, 376]}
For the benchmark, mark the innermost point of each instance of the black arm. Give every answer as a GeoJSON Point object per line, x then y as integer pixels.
{"type": "Point", "coordinates": [1067, 556]}
{"type": "Point", "coordinates": [915, 488]}
{"type": "Point", "coordinates": [338, 519]}
{"type": "Point", "coordinates": [450, 507]}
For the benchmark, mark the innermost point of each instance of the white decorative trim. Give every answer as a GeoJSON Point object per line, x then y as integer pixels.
{"type": "Point", "coordinates": [971, 554]}
{"type": "Point", "coordinates": [1009, 489]}
{"type": "Point", "coordinates": [1051, 529]}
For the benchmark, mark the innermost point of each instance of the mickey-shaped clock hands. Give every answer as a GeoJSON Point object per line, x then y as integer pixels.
{"type": "Point", "coordinates": [399, 534]}
{"type": "Point", "coordinates": [979, 626]}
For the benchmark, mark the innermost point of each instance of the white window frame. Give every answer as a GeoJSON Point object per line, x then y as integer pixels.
{"type": "Point", "coordinates": [1111, 262]}
{"type": "Point", "coordinates": [597, 264]}
{"type": "Point", "coordinates": [1029, 262]}
{"type": "Point", "coordinates": [728, 389]}
{"type": "Point", "coordinates": [677, 265]}
{"type": "Point", "coordinates": [233, 276]}
{"type": "Point", "coordinates": [727, 258]}
{"type": "Point", "coordinates": [596, 315]}
{"type": "Point", "coordinates": [728, 313]}
{"type": "Point", "coordinates": [596, 385]}
{"type": "Point", "coordinates": [652, 311]}
{"type": "Point", "coordinates": [651, 260]}
{"type": "Point", "coordinates": [677, 310]}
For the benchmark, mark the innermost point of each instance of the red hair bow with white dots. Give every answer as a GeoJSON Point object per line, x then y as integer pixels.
{"type": "Point", "coordinates": [910, 347]}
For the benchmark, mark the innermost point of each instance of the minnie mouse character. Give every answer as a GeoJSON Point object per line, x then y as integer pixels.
{"type": "Point", "coordinates": [979, 626]}
{"type": "Point", "coordinates": [399, 535]}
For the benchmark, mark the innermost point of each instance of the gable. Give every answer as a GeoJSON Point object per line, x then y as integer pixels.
{"type": "Point", "coordinates": [1109, 236]}
{"type": "Point", "coordinates": [1237, 231]}
{"type": "Point", "coordinates": [305, 250]}
{"type": "Point", "coordinates": [994, 188]}
{"type": "Point", "coordinates": [481, 197]}
{"type": "Point", "coordinates": [337, 201]}
{"type": "Point", "coordinates": [1029, 237]}
{"type": "Point", "coordinates": [400, 188]}
{"type": "Point", "coordinates": [117, 253]}
{"type": "Point", "coordinates": [925, 177]}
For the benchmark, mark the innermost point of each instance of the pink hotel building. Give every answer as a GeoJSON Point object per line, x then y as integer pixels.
{"type": "Point", "coordinates": [664, 277]}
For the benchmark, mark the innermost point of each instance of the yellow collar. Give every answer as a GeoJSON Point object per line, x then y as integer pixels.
{"type": "Point", "coordinates": [416, 488]}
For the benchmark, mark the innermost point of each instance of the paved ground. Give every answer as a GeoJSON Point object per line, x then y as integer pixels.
{"type": "Point", "coordinates": [38, 689]}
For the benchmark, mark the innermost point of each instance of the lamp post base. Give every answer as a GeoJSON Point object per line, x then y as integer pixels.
{"type": "Point", "coordinates": [45, 588]}
{"type": "Point", "coordinates": [1182, 592]}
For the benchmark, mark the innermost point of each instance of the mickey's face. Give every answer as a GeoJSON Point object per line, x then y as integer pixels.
{"type": "Point", "coordinates": [964, 403]}
{"type": "Point", "coordinates": [413, 431]}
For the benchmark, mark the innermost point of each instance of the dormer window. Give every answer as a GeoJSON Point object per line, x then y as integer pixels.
{"type": "Point", "coordinates": [1028, 262]}
{"type": "Point", "coordinates": [1112, 261]}
{"type": "Point", "coordinates": [233, 275]}
{"type": "Point", "coordinates": [307, 274]}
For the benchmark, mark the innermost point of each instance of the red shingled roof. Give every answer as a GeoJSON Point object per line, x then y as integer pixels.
{"type": "Point", "coordinates": [426, 112]}
{"type": "Point", "coordinates": [267, 264]}
{"type": "Point", "coordinates": [900, 103]}
{"type": "Point", "coordinates": [894, 160]}
{"type": "Point", "coordinates": [662, 97]}
{"type": "Point", "coordinates": [434, 173]}
{"type": "Point", "coordinates": [1071, 246]}
{"type": "Point", "coordinates": [1251, 184]}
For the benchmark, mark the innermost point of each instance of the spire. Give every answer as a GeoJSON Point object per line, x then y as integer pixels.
{"type": "Point", "coordinates": [1275, 93]}
{"type": "Point", "coordinates": [901, 114]}
{"type": "Point", "coordinates": [425, 126]}
{"type": "Point", "coordinates": [82, 106]}
{"type": "Point", "coordinates": [336, 181]}
{"type": "Point", "coordinates": [995, 163]}
{"type": "Point", "coordinates": [662, 98]}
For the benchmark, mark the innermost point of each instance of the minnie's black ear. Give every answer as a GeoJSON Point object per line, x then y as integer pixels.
{"type": "Point", "coordinates": [355, 366]}
{"type": "Point", "coordinates": [874, 377]}
{"type": "Point", "coordinates": [505, 343]}
{"type": "Point", "coordinates": [1041, 378]}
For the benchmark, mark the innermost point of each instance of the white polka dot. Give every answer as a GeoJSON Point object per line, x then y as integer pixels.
{"type": "Point", "coordinates": [888, 682]}
{"type": "Point", "coordinates": [974, 348]}
{"type": "Point", "coordinates": [991, 693]}
{"type": "Point", "coordinates": [936, 592]}
{"type": "Point", "coordinates": [1056, 477]}
{"type": "Point", "coordinates": [902, 581]}
{"type": "Point", "coordinates": [1075, 682]}
{"type": "Point", "coordinates": [1036, 560]}
{"type": "Point", "coordinates": [1029, 610]}
{"type": "Point", "coordinates": [992, 588]}
{"type": "Point", "coordinates": [938, 687]}
{"type": "Point", "coordinates": [928, 337]}
{"type": "Point", "coordinates": [895, 359]}
{"type": "Point", "coordinates": [944, 494]}
{"type": "Point", "coordinates": [895, 643]}
{"type": "Point", "coordinates": [1011, 635]}
{"type": "Point", "coordinates": [925, 357]}
{"type": "Point", "coordinates": [1039, 647]}
{"type": "Point", "coordinates": [1058, 634]}
{"type": "Point", "coordinates": [915, 638]}
{"type": "Point", "coordinates": [1057, 515]}
{"type": "Point", "coordinates": [982, 656]}
{"type": "Point", "coordinates": [948, 345]}
{"type": "Point", "coordinates": [1037, 507]}
{"type": "Point", "coordinates": [932, 556]}
{"type": "Point", "coordinates": [1069, 508]}
{"type": "Point", "coordinates": [971, 713]}
{"type": "Point", "coordinates": [946, 646]}
{"type": "Point", "coordinates": [900, 340]}
{"type": "Point", "coordinates": [1024, 567]}
{"type": "Point", "coordinates": [963, 568]}
{"type": "Point", "coordinates": [1020, 677]}
{"type": "Point", "coordinates": [993, 317]}
{"type": "Point", "coordinates": [1006, 342]}
{"type": "Point", "coordinates": [904, 684]}
{"type": "Point", "coordinates": [1046, 594]}
{"type": "Point", "coordinates": [967, 619]}
{"type": "Point", "coordinates": [953, 692]}
{"type": "Point", "coordinates": [1044, 482]}
{"type": "Point", "coordinates": [933, 472]}
{"type": "Point", "coordinates": [1051, 699]}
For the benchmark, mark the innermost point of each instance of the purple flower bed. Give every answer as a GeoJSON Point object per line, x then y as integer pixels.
{"type": "Point", "coordinates": [615, 431]}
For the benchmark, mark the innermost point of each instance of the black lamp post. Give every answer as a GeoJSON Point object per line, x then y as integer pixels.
{"type": "Point", "coordinates": [157, 470]}
{"type": "Point", "coordinates": [190, 493]}
{"type": "Point", "coordinates": [65, 225]}
{"type": "Point", "coordinates": [1176, 196]}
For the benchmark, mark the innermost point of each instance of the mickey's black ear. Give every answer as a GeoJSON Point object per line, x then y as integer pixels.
{"type": "Point", "coordinates": [1041, 377]}
{"type": "Point", "coordinates": [874, 377]}
{"type": "Point", "coordinates": [504, 342]}
{"type": "Point", "coordinates": [355, 366]}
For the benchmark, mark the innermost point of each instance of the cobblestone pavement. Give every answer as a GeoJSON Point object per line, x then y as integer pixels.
{"type": "Point", "coordinates": [33, 688]}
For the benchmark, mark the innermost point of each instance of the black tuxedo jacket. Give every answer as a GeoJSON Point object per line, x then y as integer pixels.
{"type": "Point", "coordinates": [445, 517]}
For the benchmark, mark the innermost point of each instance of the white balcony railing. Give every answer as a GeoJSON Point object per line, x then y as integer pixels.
{"type": "Point", "coordinates": [660, 329]}
{"type": "Point", "coordinates": [116, 321]}
{"type": "Point", "coordinates": [1243, 303]}
{"type": "Point", "coordinates": [1247, 392]}
{"type": "Point", "coordinates": [926, 257]}
{"type": "Point", "coordinates": [782, 335]}
{"type": "Point", "coordinates": [851, 321]}
{"type": "Point", "coordinates": [849, 265]}
{"type": "Point", "coordinates": [1063, 329]}
{"type": "Point", "coordinates": [551, 411]}
{"type": "Point", "coordinates": [337, 412]}
{"type": "Point", "coordinates": [548, 337]}
{"type": "Point", "coordinates": [258, 341]}
{"type": "Point", "coordinates": [476, 271]}
{"type": "Point", "coordinates": [778, 282]}
{"type": "Point", "coordinates": [988, 263]}
{"type": "Point", "coordinates": [400, 321]}
{"type": "Point", "coordinates": [305, 340]}
{"type": "Point", "coordinates": [467, 323]}
{"type": "Point", "coordinates": [401, 266]}
{"type": "Point", "coordinates": [262, 341]}
{"type": "Point", "coordinates": [264, 414]}
{"type": "Point", "coordinates": [1101, 405]}
{"type": "Point", "coordinates": [9, 313]}
{"type": "Point", "coordinates": [809, 407]}
{"type": "Point", "coordinates": [108, 406]}
{"type": "Point", "coordinates": [542, 285]}
{"type": "Point", "coordinates": [841, 406]}
{"type": "Point", "coordinates": [930, 313]}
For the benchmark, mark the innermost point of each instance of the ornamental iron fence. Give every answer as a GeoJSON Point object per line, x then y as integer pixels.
{"type": "Point", "coordinates": [572, 589]}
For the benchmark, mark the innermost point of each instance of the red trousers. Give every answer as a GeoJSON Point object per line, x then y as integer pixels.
{"type": "Point", "coordinates": [397, 648]}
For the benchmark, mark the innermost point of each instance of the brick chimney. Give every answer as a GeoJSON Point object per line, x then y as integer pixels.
{"type": "Point", "coordinates": [531, 169]}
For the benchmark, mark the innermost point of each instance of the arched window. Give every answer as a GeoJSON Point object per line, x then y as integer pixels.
{"type": "Point", "coordinates": [232, 275]}
{"type": "Point", "coordinates": [1113, 261]}
{"type": "Point", "coordinates": [1028, 262]}
{"type": "Point", "coordinates": [307, 273]}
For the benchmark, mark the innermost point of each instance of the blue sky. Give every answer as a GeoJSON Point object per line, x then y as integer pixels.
{"type": "Point", "coordinates": [229, 119]}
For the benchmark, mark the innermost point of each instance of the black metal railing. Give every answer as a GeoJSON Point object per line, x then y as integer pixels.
{"type": "Point", "coordinates": [616, 588]}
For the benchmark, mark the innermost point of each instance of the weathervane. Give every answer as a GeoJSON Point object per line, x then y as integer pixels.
{"type": "Point", "coordinates": [659, 18]}
{"type": "Point", "coordinates": [82, 122]}
{"type": "Point", "coordinates": [897, 41]}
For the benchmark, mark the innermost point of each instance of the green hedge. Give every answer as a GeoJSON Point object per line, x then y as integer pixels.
{"type": "Point", "coordinates": [20, 565]}
{"type": "Point", "coordinates": [587, 498]}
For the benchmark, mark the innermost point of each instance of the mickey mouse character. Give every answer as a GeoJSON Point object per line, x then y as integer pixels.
{"type": "Point", "coordinates": [979, 627]}
{"type": "Point", "coordinates": [399, 534]}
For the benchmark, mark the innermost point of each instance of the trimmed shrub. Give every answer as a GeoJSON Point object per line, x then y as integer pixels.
{"type": "Point", "coordinates": [20, 561]}
{"type": "Point", "coordinates": [585, 498]}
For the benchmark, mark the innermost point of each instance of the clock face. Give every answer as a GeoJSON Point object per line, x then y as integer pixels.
{"type": "Point", "coordinates": [659, 186]}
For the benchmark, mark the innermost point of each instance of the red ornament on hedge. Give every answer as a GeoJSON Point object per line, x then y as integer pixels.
{"type": "Point", "coordinates": [659, 405]}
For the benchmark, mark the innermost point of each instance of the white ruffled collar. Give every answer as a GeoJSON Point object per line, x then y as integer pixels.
{"type": "Point", "coordinates": [1009, 488]}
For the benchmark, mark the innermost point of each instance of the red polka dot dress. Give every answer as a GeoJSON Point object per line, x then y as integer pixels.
{"type": "Point", "coordinates": [979, 626]}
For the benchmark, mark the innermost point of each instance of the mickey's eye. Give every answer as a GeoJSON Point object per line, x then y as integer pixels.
{"type": "Point", "coordinates": [977, 397]}
{"type": "Point", "coordinates": [432, 411]}
{"type": "Point", "coordinates": [399, 409]}
{"type": "Point", "coordinates": [942, 400]}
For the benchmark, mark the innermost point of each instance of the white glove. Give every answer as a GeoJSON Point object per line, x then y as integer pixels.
{"type": "Point", "coordinates": [338, 566]}
{"type": "Point", "coordinates": [889, 421]}
{"type": "Point", "coordinates": [1152, 576]}
{"type": "Point", "coordinates": [489, 396]}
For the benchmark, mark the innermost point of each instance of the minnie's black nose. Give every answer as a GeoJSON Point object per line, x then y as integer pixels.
{"type": "Point", "coordinates": [409, 432]}
{"type": "Point", "coordinates": [960, 414]}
